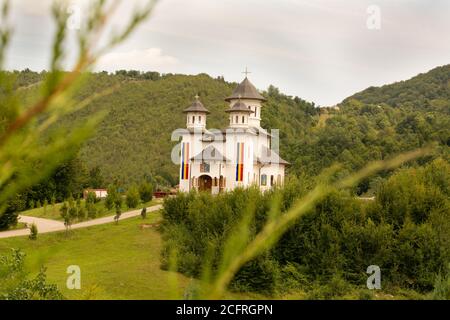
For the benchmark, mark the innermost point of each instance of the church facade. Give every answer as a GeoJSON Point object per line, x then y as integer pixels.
{"type": "Point", "coordinates": [239, 156]}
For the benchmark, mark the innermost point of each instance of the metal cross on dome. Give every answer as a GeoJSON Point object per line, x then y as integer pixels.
{"type": "Point", "coordinates": [246, 72]}
{"type": "Point", "coordinates": [197, 97]}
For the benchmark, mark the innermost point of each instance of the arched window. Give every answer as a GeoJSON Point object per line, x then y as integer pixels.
{"type": "Point", "coordinates": [243, 118]}
{"type": "Point", "coordinates": [279, 180]}
{"type": "Point", "coordinates": [199, 119]}
{"type": "Point", "coordinates": [193, 119]}
{"type": "Point", "coordinates": [237, 119]}
{"type": "Point", "coordinates": [271, 180]}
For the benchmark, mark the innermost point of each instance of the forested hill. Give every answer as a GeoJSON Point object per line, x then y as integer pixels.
{"type": "Point", "coordinates": [134, 138]}
{"type": "Point", "coordinates": [429, 91]}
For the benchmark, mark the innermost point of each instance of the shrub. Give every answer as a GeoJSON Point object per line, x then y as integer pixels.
{"type": "Point", "coordinates": [441, 289]}
{"type": "Point", "coordinates": [112, 197]}
{"type": "Point", "coordinates": [14, 284]}
{"type": "Point", "coordinates": [330, 247]}
{"type": "Point", "coordinates": [33, 232]}
{"type": "Point", "coordinates": [91, 210]}
{"type": "Point", "coordinates": [91, 198]}
{"type": "Point", "coordinates": [45, 204]}
{"type": "Point", "coordinates": [82, 213]}
{"type": "Point", "coordinates": [146, 192]}
{"type": "Point", "coordinates": [144, 213]}
{"type": "Point", "coordinates": [132, 197]}
{"type": "Point", "coordinates": [118, 214]}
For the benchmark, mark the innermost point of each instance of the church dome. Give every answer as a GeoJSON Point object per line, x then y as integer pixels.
{"type": "Point", "coordinates": [246, 90]}
{"type": "Point", "coordinates": [239, 107]}
{"type": "Point", "coordinates": [196, 106]}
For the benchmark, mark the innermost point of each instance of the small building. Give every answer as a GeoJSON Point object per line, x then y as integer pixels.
{"type": "Point", "coordinates": [239, 156]}
{"type": "Point", "coordinates": [99, 193]}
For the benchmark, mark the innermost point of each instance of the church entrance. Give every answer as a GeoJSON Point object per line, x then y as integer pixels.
{"type": "Point", "coordinates": [205, 183]}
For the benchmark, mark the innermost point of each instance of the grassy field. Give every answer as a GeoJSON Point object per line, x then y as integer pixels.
{"type": "Point", "coordinates": [117, 261]}
{"type": "Point", "coordinates": [53, 212]}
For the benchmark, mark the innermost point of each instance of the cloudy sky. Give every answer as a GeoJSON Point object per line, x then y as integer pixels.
{"type": "Point", "coordinates": [320, 50]}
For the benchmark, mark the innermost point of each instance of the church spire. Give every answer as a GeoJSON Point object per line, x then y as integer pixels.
{"type": "Point", "coordinates": [196, 114]}
{"type": "Point", "coordinates": [246, 90]}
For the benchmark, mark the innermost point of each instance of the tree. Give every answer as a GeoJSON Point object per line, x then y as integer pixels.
{"type": "Point", "coordinates": [132, 198]}
{"type": "Point", "coordinates": [14, 206]}
{"type": "Point", "coordinates": [144, 213]}
{"type": "Point", "coordinates": [96, 180]}
{"type": "Point", "coordinates": [81, 211]}
{"type": "Point", "coordinates": [112, 197]}
{"type": "Point", "coordinates": [15, 284]}
{"type": "Point", "coordinates": [118, 214]}
{"type": "Point", "coordinates": [64, 211]}
{"type": "Point", "coordinates": [91, 210]}
{"type": "Point", "coordinates": [146, 191]}
{"type": "Point", "coordinates": [45, 204]}
{"type": "Point", "coordinates": [91, 198]}
{"type": "Point", "coordinates": [33, 232]}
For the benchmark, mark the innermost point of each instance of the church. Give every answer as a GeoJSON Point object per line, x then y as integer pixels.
{"type": "Point", "coordinates": [240, 155]}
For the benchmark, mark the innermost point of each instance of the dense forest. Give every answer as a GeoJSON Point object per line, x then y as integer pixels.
{"type": "Point", "coordinates": [133, 140]}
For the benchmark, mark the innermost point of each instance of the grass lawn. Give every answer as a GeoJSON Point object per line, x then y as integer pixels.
{"type": "Point", "coordinates": [18, 226]}
{"type": "Point", "coordinates": [117, 261]}
{"type": "Point", "coordinates": [52, 212]}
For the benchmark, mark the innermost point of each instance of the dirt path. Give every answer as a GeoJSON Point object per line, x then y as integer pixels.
{"type": "Point", "coordinates": [48, 225]}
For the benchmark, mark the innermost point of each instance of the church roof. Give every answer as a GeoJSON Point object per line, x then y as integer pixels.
{"type": "Point", "coordinates": [246, 90]}
{"type": "Point", "coordinates": [196, 106]}
{"type": "Point", "coordinates": [270, 157]}
{"type": "Point", "coordinates": [239, 107]}
{"type": "Point", "coordinates": [210, 153]}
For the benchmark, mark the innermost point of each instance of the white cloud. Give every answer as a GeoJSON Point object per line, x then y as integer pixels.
{"type": "Point", "coordinates": [151, 59]}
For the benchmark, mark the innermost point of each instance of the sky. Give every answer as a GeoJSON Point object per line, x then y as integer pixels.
{"type": "Point", "coordinates": [320, 50]}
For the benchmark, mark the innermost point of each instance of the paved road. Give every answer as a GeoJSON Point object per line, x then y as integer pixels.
{"type": "Point", "coordinates": [47, 225]}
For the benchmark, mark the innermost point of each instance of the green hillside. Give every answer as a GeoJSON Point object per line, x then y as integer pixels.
{"type": "Point", "coordinates": [427, 91]}
{"type": "Point", "coordinates": [134, 138]}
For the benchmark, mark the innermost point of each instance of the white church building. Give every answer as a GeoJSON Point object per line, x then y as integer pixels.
{"type": "Point", "coordinates": [238, 156]}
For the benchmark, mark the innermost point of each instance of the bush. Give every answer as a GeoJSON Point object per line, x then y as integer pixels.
{"type": "Point", "coordinates": [33, 232]}
{"type": "Point", "coordinates": [91, 198]}
{"type": "Point", "coordinates": [335, 288]}
{"type": "Point", "coordinates": [82, 213]}
{"type": "Point", "coordinates": [91, 210]}
{"type": "Point", "coordinates": [441, 289]}
{"type": "Point", "coordinates": [132, 197]}
{"type": "Point", "coordinates": [14, 284]}
{"type": "Point", "coordinates": [146, 192]}
{"type": "Point", "coordinates": [112, 197]}
{"type": "Point", "coordinates": [259, 275]}
{"type": "Point", "coordinates": [144, 213]}
{"type": "Point", "coordinates": [405, 231]}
